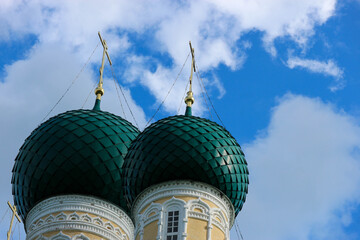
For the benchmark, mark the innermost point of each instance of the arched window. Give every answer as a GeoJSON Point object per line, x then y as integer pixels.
{"type": "Point", "coordinates": [173, 219]}
{"type": "Point", "coordinates": [172, 229]}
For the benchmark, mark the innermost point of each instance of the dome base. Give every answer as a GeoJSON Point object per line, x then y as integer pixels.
{"type": "Point", "coordinates": [78, 217]}
{"type": "Point", "coordinates": [182, 210]}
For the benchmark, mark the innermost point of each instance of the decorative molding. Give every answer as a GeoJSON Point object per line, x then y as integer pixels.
{"type": "Point", "coordinates": [81, 237]}
{"type": "Point", "coordinates": [108, 218]}
{"type": "Point", "coordinates": [74, 216]}
{"type": "Point", "coordinates": [198, 204]}
{"type": "Point", "coordinates": [79, 203]}
{"type": "Point", "coordinates": [61, 236]}
{"type": "Point", "coordinates": [147, 218]}
{"type": "Point", "coordinates": [195, 208]}
{"type": "Point", "coordinates": [50, 219]}
{"type": "Point", "coordinates": [86, 218]}
{"type": "Point", "coordinates": [222, 224]}
{"type": "Point", "coordinates": [185, 188]}
{"type": "Point", "coordinates": [95, 226]}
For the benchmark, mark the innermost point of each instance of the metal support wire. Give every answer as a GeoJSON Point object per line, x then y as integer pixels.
{"type": "Point", "coordinates": [203, 94]}
{"type": "Point", "coordinates": [91, 91]}
{"type": "Point", "coordinates": [209, 98]}
{"type": "Point", "coordinates": [12, 233]}
{"type": "Point", "coordinates": [168, 91]}
{"type": "Point", "coordinates": [2, 218]}
{"type": "Point", "coordinates": [182, 99]}
{"type": "Point", "coordinates": [114, 76]}
{"type": "Point", "coordinates": [72, 83]}
{"type": "Point", "coordinates": [117, 91]}
{"type": "Point", "coordinates": [19, 231]}
{"type": "Point", "coordinates": [237, 229]}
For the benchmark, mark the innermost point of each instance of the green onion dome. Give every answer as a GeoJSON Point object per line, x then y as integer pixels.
{"type": "Point", "coordinates": [186, 148]}
{"type": "Point", "coordinates": [76, 152]}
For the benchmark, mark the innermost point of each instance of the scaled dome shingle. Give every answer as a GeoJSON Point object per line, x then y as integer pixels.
{"type": "Point", "coordinates": [76, 152]}
{"type": "Point", "coordinates": [186, 148]}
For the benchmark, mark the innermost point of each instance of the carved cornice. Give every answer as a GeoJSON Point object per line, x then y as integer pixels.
{"type": "Point", "coordinates": [63, 236]}
{"type": "Point", "coordinates": [78, 219]}
{"type": "Point", "coordinates": [185, 188]}
{"type": "Point", "coordinates": [196, 208]}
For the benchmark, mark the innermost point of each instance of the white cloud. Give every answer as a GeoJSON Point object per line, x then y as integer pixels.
{"type": "Point", "coordinates": [165, 83]}
{"type": "Point", "coordinates": [214, 26]}
{"type": "Point", "coordinates": [279, 18]}
{"type": "Point", "coordinates": [33, 85]}
{"type": "Point", "coordinates": [216, 82]}
{"type": "Point", "coordinates": [304, 173]}
{"type": "Point", "coordinates": [328, 68]}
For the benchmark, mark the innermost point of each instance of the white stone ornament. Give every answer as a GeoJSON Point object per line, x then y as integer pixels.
{"type": "Point", "coordinates": [74, 212]}
{"type": "Point", "coordinates": [222, 216]}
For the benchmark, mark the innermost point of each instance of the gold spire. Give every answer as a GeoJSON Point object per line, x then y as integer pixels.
{"type": "Point", "coordinates": [189, 100]}
{"type": "Point", "coordinates": [99, 91]}
{"type": "Point", "coordinates": [13, 209]}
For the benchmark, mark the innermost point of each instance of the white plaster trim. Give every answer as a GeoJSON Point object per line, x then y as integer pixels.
{"type": "Point", "coordinates": [213, 216]}
{"type": "Point", "coordinates": [76, 221]}
{"type": "Point", "coordinates": [80, 226]}
{"type": "Point", "coordinates": [80, 237]}
{"type": "Point", "coordinates": [153, 208]}
{"type": "Point", "coordinates": [62, 236]}
{"type": "Point", "coordinates": [185, 188]}
{"type": "Point", "coordinates": [222, 224]}
{"type": "Point", "coordinates": [198, 204]}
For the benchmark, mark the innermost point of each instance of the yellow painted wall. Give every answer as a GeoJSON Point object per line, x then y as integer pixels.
{"type": "Point", "coordinates": [196, 229]}
{"type": "Point", "coordinates": [217, 234]}
{"type": "Point", "coordinates": [150, 231]}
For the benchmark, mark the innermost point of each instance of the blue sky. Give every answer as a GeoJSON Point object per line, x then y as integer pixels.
{"type": "Point", "coordinates": [283, 75]}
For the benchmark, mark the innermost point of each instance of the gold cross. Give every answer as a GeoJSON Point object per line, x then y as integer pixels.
{"type": "Point", "coordinates": [99, 91]}
{"type": "Point", "coordinates": [193, 69]}
{"type": "Point", "coordinates": [189, 100]}
{"type": "Point", "coordinates": [13, 209]}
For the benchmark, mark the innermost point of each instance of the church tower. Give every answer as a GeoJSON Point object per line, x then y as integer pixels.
{"type": "Point", "coordinates": [89, 174]}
